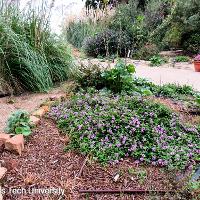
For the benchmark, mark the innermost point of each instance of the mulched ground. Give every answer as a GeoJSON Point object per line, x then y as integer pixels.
{"type": "Point", "coordinates": [44, 164]}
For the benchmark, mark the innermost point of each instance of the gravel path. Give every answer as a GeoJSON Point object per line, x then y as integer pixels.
{"type": "Point", "coordinates": [28, 102]}
{"type": "Point", "coordinates": [181, 74]}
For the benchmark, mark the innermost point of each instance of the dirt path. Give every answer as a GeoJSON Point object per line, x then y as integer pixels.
{"type": "Point", "coordinates": [28, 102]}
{"type": "Point", "coordinates": [44, 164]}
{"type": "Point", "coordinates": [180, 73]}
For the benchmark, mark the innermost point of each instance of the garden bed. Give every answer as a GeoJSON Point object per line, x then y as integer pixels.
{"type": "Point", "coordinates": [44, 164]}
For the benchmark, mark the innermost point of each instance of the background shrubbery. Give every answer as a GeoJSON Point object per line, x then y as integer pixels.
{"type": "Point", "coordinates": [159, 24]}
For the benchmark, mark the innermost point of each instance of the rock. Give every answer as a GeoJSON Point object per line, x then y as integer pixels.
{"type": "Point", "coordinates": [3, 171]}
{"type": "Point", "coordinates": [116, 177]}
{"type": "Point", "coordinates": [4, 137]}
{"type": "Point", "coordinates": [15, 143]}
{"type": "Point", "coordinates": [46, 108]}
{"type": "Point", "coordinates": [34, 120]}
{"type": "Point", "coordinates": [39, 113]}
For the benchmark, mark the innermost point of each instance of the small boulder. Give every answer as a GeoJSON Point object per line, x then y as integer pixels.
{"type": "Point", "coordinates": [39, 113]}
{"type": "Point", "coordinates": [3, 171]}
{"type": "Point", "coordinates": [4, 137]}
{"type": "Point", "coordinates": [46, 108]}
{"type": "Point", "coordinates": [15, 143]}
{"type": "Point", "coordinates": [34, 120]}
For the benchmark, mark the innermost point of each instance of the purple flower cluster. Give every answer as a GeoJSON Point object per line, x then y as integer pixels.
{"type": "Point", "coordinates": [114, 127]}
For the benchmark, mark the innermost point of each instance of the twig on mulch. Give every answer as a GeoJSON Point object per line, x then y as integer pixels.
{"type": "Point", "coordinates": [130, 191]}
{"type": "Point", "coordinates": [83, 165]}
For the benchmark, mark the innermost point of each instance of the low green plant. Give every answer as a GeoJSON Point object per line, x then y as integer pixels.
{"type": "Point", "coordinates": [119, 78]}
{"type": "Point", "coordinates": [182, 59]}
{"type": "Point", "coordinates": [174, 91]}
{"type": "Point", "coordinates": [19, 123]}
{"type": "Point", "coordinates": [111, 127]}
{"type": "Point", "coordinates": [157, 61]}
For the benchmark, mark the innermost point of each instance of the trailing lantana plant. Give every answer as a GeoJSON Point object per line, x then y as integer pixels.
{"type": "Point", "coordinates": [112, 127]}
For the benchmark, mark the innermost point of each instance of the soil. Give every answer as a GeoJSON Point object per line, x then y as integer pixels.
{"type": "Point", "coordinates": [27, 101]}
{"type": "Point", "coordinates": [44, 164]}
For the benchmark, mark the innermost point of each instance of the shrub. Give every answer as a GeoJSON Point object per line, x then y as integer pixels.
{"type": "Point", "coordinates": [90, 76]}
{"type": "Point", "coordinates": [119, 78]}
{"type": "Point", "coordinates": [147, 51]}
{"type": "Point", "coordinates": [77, 31]}
{"type": "Point", "coordinates": [19, 123]}
{"type": "Point", "coordinates": [192, 44]}
{"type": "Point", "coordinates": [182, 59]}
{"type": "Point", "coordinates": [157, 61]}
{"type": "Point", "coordinates": [112, 127]}
{"type": "Point", "coordinates": [107, 43]}
{"type": "Point", "coordinates": [130, 19]}
{"type": "Point", "coordinates": [31, 57]}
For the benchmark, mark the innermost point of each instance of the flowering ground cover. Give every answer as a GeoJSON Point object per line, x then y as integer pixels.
{"type": "Point", "coordinates": [111, 127]}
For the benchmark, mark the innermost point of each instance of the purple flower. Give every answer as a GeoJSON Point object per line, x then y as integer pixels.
{"type": "Point", "coordinates": [118, 145]}
{"type": "Point", "coordinates": [142, 159]}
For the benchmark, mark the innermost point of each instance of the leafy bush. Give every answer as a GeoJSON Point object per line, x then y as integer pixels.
{"type": "Point", "coordinates": [77, 31]}
{"type": "Point", "coordinates": [147, 51]}
{"type": "Point", "coordinates": [182, 22]}
{"type": "Point", "coordinates": [107, 43]}
{"type": "Point", "coordinates": [156, 61]}
{"type": "Point", "coordinates": [112, 127]}
{"type": "Point", "coordinates": [173, 90]}
{"type": "Point", "coordinates": [19, 123]}
{"type": "Point", "coordinates": [119, 78]}
{"type": "Point", "coordinates": [31, 57]}
{"type": "Point", "coordinates": [182, 59]}
{"type": "Point", "coordinates": [90, 76]}
{"type": "Point", "coordinates": [192, 44]}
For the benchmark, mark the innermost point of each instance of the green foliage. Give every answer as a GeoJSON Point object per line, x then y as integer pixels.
{"type": "Point", "coordinates": [77, 31]}
{"type": "Point", "coordinates": [111, 127]}
{"type": "Point", "coordinates": [147, 51]}
{"type": "Point", "coordinates": [192, 44]}
{"type": "Point", "coordinates": [19, 123]}
{"type": "Point", "coordinates": [156, 61]}
{"type": "Point", "coordinates": [182, 59]}
{"type": "Point", "coordinates": [90, 76]}
{"type": "Point", "coordinates": [180, 24]}
{"type": "Point", "coordinates": [107, 43]}
{"type": "Point", "coordinates": [119, 78]}
{"type": "Point", "coordinates": [31, 57]}
{"type": "Point", "coordinates": [173, 90]}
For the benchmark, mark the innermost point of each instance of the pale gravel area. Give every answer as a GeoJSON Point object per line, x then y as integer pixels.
{"type": "Point", "coordinates": [28, 102]}
{"type": "Point", "coordinates": [181, 73]}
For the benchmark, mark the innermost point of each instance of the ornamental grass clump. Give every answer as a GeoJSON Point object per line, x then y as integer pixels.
{"type": "Point", "coordinates": [31, 57]}
{"type": "Point", "coordinates": [111, 127]}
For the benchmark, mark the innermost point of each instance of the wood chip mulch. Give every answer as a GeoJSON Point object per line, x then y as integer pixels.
{"type": "Point", "coordinates": [44, 164]}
